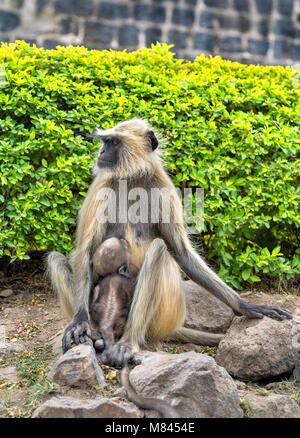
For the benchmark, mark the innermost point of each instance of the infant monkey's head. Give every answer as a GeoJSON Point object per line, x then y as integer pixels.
{"type": "Point", "coordinates": [112, 256]}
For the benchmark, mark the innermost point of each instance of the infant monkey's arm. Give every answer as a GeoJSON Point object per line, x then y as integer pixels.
{"type": "Point", "coordinates": [109, 311]}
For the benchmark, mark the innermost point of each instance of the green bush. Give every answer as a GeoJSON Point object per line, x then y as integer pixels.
{"type": "Point", "coordinates": [230, 128]}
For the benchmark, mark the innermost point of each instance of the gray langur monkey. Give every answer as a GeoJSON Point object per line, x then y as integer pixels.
{"type": "Point", "coordinates": [159, 249]}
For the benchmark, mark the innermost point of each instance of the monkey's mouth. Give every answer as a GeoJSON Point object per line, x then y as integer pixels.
{"type": "Point", "coordinates": [104, 163]}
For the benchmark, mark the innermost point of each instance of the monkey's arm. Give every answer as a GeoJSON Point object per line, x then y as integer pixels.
{"type": "Point", "coordinates": [197, 270]}
{"type": "Point", "coordinates": [79, 328]}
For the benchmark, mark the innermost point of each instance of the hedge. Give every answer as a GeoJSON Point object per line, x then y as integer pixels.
{"type": "Point", "coordinates": [229, 128]}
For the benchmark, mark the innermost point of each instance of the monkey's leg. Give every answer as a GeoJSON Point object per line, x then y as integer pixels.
{"type": "Point", "coordinates": [158, 306]}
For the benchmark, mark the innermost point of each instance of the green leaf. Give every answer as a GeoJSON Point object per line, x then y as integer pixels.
{"type": "Point", "coordinates": [246, 274]}
{"type": "Point", "coordinates": [254, 278]}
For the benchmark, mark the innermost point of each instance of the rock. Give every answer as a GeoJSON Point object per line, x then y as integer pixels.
{"type": "Point", "coordinates": [5, 293]}
{"type": "Point", "coordinates": [9, 349]}
{"type": "Point", "coordinates": [69, 407]}
{"type": "Point", "coordinates": [295, 377]}
{"type": "Point", "coordinates": [2, 408]}
{"type": "Point", "coordinates": [272, 385]}
{"type": "Point", "coordinates": [258, 348]}
{"type": "Point", "coordinates": [9, 374]}
{"type": "Point", "coordinates": [272, 406]}
{"type": "Point", "coordinates": [204, 311]}
{"type": "Point", "coordinates": [295, 335]}
{"type": "Point", "coordinates": [120, 392]}
{"type": "Point", "coordinates": [192, 382]}
{"type": "Point", "coordinates": [240, 385]}
{"type": "Point", "coordinates": [77, 367]}
{"type": "Point", "coordinates": [56, 343]}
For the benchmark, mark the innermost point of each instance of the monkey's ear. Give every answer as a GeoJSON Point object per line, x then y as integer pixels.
{"type": "Point", "coordinates": [153, 140]}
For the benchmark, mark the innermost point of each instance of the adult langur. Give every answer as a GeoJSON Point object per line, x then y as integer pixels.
{"type": "Point", "coordinates": [129, 152]}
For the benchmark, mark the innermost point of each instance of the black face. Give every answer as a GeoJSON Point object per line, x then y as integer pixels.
{"type": "Point", "coordinates": [109, 152]}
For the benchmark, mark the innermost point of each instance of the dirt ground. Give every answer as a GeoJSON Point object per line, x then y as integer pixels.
{"type": "Point", "coordinates": [33, 320]}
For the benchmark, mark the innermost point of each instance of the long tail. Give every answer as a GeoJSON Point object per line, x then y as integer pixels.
{"type": "Point", "coordinates": [185, 334]}
{"type": "Point", "coordinates": [162, 407]}
{"type": "Point", "coordinates": [60, 273]}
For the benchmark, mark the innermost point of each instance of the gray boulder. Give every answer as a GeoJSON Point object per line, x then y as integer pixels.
{"type": "Point", "coordinates": [204, 311]}
{"type": "Point", "coordinates": [5, 293]}
{"type": "Point", "coordinates": [9, 374]}
{"type": "Point", "coordinates": [78, 367]}
{"type": "Point", "coordinates": [69, 407]}
{"type": "Point", "coordinates": [258, 348]}
{"type": "Point", "coordinates": [295, 377]}
{"type": "Point", "coordinates": [271, 406]}
{"type": "Point", "coordinates": [56, 342]}
{"type": "Point", "coordinates": [10, 349]}
{"type": "Point", "coordinates": [191, 382]}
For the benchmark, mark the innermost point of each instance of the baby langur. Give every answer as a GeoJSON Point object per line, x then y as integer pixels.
{"type": "Point", "coordinates": [115, 280]}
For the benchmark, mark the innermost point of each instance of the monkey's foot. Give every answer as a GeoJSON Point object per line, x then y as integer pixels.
{"type": "Point", "coordinates": [117, 355]}
{"type": "Point", "coordinates": [256, 311]}
{"type": "Point", "coordinates": [76, 333]}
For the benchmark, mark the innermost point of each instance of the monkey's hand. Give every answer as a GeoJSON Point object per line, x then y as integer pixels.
{"type": "Point", "coordinates": [117, 355]}
{"type": "Point", "coordinates": [78, 332]}
{"type": "Point", "coordinates": [256, 311]}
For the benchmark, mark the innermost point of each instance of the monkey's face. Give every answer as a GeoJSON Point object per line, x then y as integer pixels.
{"type": "Point", "coordinates": [126, 149]}
{"type": "Point", "coordinates": [109, 152]}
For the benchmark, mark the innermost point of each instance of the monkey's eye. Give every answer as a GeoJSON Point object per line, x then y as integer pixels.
{"type": "Point", "coordinates": [115, 141]}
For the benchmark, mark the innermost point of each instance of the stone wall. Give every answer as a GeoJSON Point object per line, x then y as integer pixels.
{"type": "Point", "coordinates": [256, 31]}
